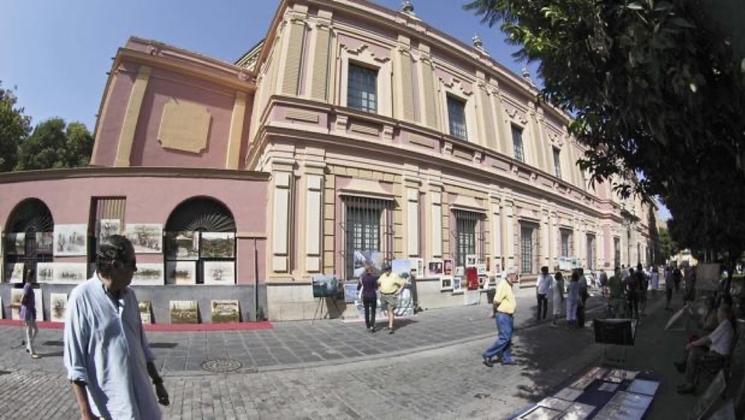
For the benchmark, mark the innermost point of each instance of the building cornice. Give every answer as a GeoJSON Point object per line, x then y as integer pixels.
{"type": "Point", "coordinates": [130, 172]}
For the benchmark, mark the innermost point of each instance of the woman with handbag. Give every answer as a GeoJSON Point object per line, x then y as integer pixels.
{"type": "Point", "coordinates": [28, 312]}
{"type": "Point", "coordinates": [367, 288]}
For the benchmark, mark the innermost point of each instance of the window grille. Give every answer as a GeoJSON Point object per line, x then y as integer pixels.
{"type": "Point", "coordinates": [517, 143]}
{"type": "Point", "coordinates": [362, 88]}
{"type": "Point", "coordinates": [566, 240]}
{"type": "Point", "coordinates": [591, 252]}
{"type": "Point", "coordinates": [367, 227]}
{"type": "Point", "coordinates": [526, 249]}
{"type": "Point", "coordinates": [468, 235]}
{"type": "Point", "coordinates": [32, 218]}
{"type": "Point", "coordinates": [457, 118]}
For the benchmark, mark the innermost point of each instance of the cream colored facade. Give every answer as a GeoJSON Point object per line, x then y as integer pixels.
{"type": "Point", "coordinates": [323, 154]}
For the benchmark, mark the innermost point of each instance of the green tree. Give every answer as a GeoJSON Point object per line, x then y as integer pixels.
{"type": "Point", "coordinates": [668, 247]}
{"type": "Point", "coordinates": [14, 126]}
{"type": "Point", "coordinates": [54, 144]}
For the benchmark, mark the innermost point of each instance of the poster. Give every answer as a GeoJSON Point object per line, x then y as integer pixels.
{"type": "Point", "coordinates": [182, 245]}
{"type": "Point", "coordinates": [219, 273]}
{"type": "Point", "coordinates": [350, 292]}
{"type": "Point", "coordinates": [217, 245]}
{"type": "Point", "coordinates": [147, 238]}
{"type": "Point", "coordinates": [181, 272]}
{"type": "Point", "coordinates": [184, 312]}
{"type": "Point", "coordinates": [361, 258]}
{"type": "Point", "coordinates": [70, 240]}
{"type": "Point", "coordinates": [148, 274]}
{"type": "Point", "coordinates": [57, 307]}
{"type": "Point", "coordinates": [69, 273]}
{"type": "Point", "coordinates": [224, 311]}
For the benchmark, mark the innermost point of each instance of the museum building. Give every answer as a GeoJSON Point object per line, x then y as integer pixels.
{"type": "Point", "coordinates": [350, 128]}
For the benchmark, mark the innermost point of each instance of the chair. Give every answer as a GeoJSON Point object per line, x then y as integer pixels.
{"type": "Point", "coordinates": [710, 367]}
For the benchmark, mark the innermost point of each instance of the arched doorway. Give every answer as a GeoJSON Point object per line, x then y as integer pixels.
{"type": "Point", "coordinates": [29, 233]}
{"type": "Point", "coordinates": [200, 243]}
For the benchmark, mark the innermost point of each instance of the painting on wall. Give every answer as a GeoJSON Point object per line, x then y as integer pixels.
{"type": "Point", "coordinates": [57, 307]}
{"type": "Point", "coordinates": [45, 242]}
{"type": "Point", "coordinates": [218, 245]}
{"type": "Point", "coordinates": [15, 243]}
{"type": "Point", "coordinates": [182, 272]}
{"type": "Point", "coordinates": [69, 273]}
{"type": "Point", "coordinates": [219, 272]}
{"type": "Point", "coordinates": [446, 283]}
{"type": "Point", "coordinates": [45, 272]}
{"type": "Point", "coordinates": [184, 312]}
{"type": "Point", "coordinates": [14, 272]}
{"type": "Point", "coordinates": [471, 260]}
{"type": "Point", "coordinates": [435, 267]}
{"type": "Point", "coordinates": [183, 245]}
{"type": "Point", "coordinates": [16, 295]}
{"type": "Point", "coordinates": [70, 240]}
{"type": "Point", "coordinates": [481, 269]}
{"type": "Point", "coordinates": [108, 227]}
{"type": "Point", "coordinates": [457, 285]}
{"type": "Point", "coordinates": [147, 238]}
{"type": "Point", "coordinates": [148, 274]}
{"type": "Point", "coordinates": [144, 307]}
{"type": "Point", "coordinates": [225, 311]}
{"type": "Point", "coordinates": [447, 267]}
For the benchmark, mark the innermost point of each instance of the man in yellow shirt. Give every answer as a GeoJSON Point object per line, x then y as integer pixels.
{"type": "Point", "coordinates": [504, 301]}
{"type": "Point", "coordinates": [389, 285]}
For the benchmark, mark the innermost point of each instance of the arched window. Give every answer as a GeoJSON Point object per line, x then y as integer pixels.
{"type": "Point", "coordinates": [29, 234]}
{"type": "Point", "coordinates": [200, 243]}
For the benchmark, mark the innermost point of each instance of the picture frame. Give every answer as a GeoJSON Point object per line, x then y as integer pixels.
{"type": "Point", "coordinates": [15, 243]}
{"type": "Point", "coordinates": [217, 245]}
{"type": "Point", "coordinates": [224, 310]}
{"type": "Point", "coordinates": [45, 243]}
{"type": "Point", "coordinates": [70, 240]}
{"type": "Point", "coordinates": [45, 272]}
{"type": "Point", "coordinates": [146, 238]}
{"type": "Point", "coordinates": [57, 307]}
{"type": "Point", "coordinates": [417, 267]}
{"type": "Point", "coordinates": [108, 227]}
{"type": "Point", "coordinates": [181, 272]}
{"type": "Point", "coordinates": [350, 292]}
{"type": "Point", "coordinates": [184, 311]}
{"type": "Point", "coordinates": [16, 296]}
{"type": "Point", "coordinates": [481, 269]}
{"type": "Point", "coordinates": [325, 285]}
{"type": "Point", "coordinates": [69, 273]}
{"type": "Point", "coordinates": [144, 307]}
{"type": "Point", "coordinates": [457, 285]}
{"type": "Point", "coordinates": [471, 260]}
{"type": "Point", "coordinates": [148, 274]}
{"type": "Point", "coordinates": [182, 245]}
{"type": "Point", "coordinates": [219, 273]}
{"type": "Point", "coordinates": [446, 283]}
{"type": "Point", "coordinates": [14, 272]}
{"type": "Point", "coordinates": [460, 270]}
{"type": "Point", "coordinates": [434, 267]}
{"type": "Point", "coordinates": [361, 258]}
{"type": "Point", "coordinates": [447, 267]}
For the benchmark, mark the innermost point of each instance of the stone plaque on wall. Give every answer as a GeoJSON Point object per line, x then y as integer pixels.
{"type": "Point", "coordinates": [184, 126]}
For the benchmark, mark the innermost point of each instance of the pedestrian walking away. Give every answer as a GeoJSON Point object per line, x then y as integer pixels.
{"type": "Point", "coordinates": [572, 299]}
{"type": "Point", "coordinates": [543, 288]}
{"type": "Point", "coordinates": [668, 287]}
{"type": "Point", "coordinates": [28, 312]}
{"type": "Point", "coordinates": [390, 286]}
{"type": "Point", "coordinates": [557, 295]}
{"type": "Point", "coordinates": [504, 301]}
{"type": "Point", "coordinates": [106, 354]}
{"type": "Point", "coordinates": [368, 286]}
{"type": "Point", "coordinates": [583, 295]}
{"type": "Point", "coordinates": [615, 296]}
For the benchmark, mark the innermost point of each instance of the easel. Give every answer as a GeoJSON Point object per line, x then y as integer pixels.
{"type": "Point", "coordinates": [319, 308]}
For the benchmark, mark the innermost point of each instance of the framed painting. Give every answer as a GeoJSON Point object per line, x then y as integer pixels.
{"type": "Point", "coordinates": [182, 272]}
{"type": "Point", "coordinates": [15, 243]}
{"type": "Point", "coordinates": [45, 272]}
{"type": "Point", "coordinates": [184, 312]}
{"type": "Point", "coordinates": [219, 273]}
{"type": "Point", "coordinates": [14, 272]}
{"type": "Point", "coordinates": [224, 311]}
{"type": "Point", "coordinates": [182, 245]}
{"type": "Point", "coordinates": [70, 240]}
{"type": "Point", "coordinates": [57, 307]}
{"type": "Point", "coordinates": [446, 283]}
{"type": "Point", "coordinates": [144, 307]}
{"type": "Point", "coordinates": [148, 274]}
{"type": "Point", "coordinates": [45, 243]}
{"type": "Point", "coordinates": [481, 269]}
{"type": "Point", "coordinates": [147, 238]}
{"type": "Point", "coordinates": [460, 270]}
{"type": "Point", "coordinates": [457, 285]}
{"type": "Point", "coordinates": [417, 267]}
{"type": "Point", "coordinates": [68, 273]}
{"type": "Point", "coordinates": [447, 267]}
{"type": "Point", "coordinates": [363, 258]}
{"type": "Point", "coordinates": [471, 260]}
{"type": "Point", "coordinates": [217, 245]}
{"type": "Point", "coordinates": [16, 295]}
{"type": "Point", "coordinates": [108, 227]}
{"type": "Point", "coordinates": [435, 267]}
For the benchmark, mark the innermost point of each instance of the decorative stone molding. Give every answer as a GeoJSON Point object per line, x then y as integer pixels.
{"type": "Point", "coordinates": [515, 114]}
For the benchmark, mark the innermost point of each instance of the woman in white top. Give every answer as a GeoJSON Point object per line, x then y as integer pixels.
{"type": "Point", "coordinates": [557, 298]}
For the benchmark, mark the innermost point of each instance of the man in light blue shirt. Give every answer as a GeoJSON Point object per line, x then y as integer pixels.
{"type": "Point", "coordinates": [106, 353]}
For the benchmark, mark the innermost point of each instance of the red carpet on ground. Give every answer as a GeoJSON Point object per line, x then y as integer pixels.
{"type": "Point", "coordinates": [228, 326]}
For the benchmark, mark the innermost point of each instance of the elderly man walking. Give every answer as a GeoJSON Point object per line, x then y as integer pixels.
{"type": "Point", "coordinates": [504, 301]}
{"type": "Point", "coordinates": [106, 354]}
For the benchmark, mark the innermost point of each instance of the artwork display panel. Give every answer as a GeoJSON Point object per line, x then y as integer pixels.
{"type": "Point", "coordinates": [108, 227]}
{"type": "Point", "coordinates": [57, 307]}
{"type": "Point", "coordinates": [16, 296]}
{"type": "Point", "coordinates": [148, 274]}
{"type": "Point", "coordinates": [70, 240]}
{"type": "Point", "coordinates": [481, 269]}
{"type": "Point", "coordinates": [217, 245]}
{"type": "Point", "coordinates": [182, 272]}
{"type": "Point", "coordinates": [350, 292]}
{"type": "Point", "coordinates": [147, 238]}
{"type": "Point", "coordinates": [183, 245]}
{"type": "Point", "coordinates": [362, 258]}
{"type": "Point", "coordinates": [144, 307]}
{"type": "Point", "coordinates": [14, 272]}
{"type": "Point", "coordinates": [184, 312]}
{"type": "Point", "coordinates": [471, 260]}
{"type": "Point", "coordinates": [45, 272]}
{"type": "Point", "coordinates": [225, 311]}
{"type": "Point", "coordinates": [219, 273]}
{"type": "Point", "coordinates": [15, 244]}
{"type": "Point", "coordinates": [457, 285]}
{"type": "Point", "coordinates": [446, 283]}
{"type": "Point", "coordinates": [325, 285]}
{"type": "Point", "coordinates": [45, 242]}
{"type": "Point", "coordinates": [447, 267]}
{"type": "Point", "coordinates": [417, 267]}
{"type": "Point", "coordinates": [69, 273]}
{"type": "Point", "coordinates": [435, 267]}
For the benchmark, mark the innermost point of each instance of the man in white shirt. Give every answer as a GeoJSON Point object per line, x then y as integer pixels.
{"type": "Point", "coordinates": [718, 343]}
{"type": "Point", "coordinates": [543, 287]}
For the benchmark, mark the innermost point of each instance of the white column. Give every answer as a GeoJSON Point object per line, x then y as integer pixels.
{"type": "Point", "coordinates": [280, 221]}
{"type": "Point", "coordinates": [496, 232]}
{"type": "Point", "coordinates": [313, 221]}
{"type": "Point", "coordinates": [436, 222]}
{"type": "Point", "coordinates": [412, 222]}
{"type": "Point", "coordinates": [508, 224]}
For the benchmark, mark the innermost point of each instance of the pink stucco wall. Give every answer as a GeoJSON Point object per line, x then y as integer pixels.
{"type": "Point", "coordinates": [115, 107]}
{"type": "Point", "coordinates": [151, 199]}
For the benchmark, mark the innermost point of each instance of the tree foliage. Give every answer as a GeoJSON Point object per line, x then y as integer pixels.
{"type": "Point", "coordinates": [656, 87]}
{"type": "Point", "coordinates": [668, 247]}
{"type": "Point", "coordinates": [54, 144]}
{"type": "Point", "coordinates": [14, 126]}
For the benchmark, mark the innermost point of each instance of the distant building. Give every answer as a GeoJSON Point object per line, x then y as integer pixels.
{"type": "Point", "coordinates": [351, 127]}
